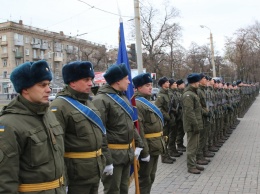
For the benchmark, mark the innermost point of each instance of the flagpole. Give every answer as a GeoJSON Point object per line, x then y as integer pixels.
{"type": "Point", "coordinates": [139, 57]}
{"type": "Point", "coordinates": [122, 57]}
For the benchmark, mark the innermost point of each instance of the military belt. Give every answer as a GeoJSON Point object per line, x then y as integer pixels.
{"type": "Point", "coordinates": [119, 146]}
{"type": "Point", "coordinates": [93, 154]}
{"type": "Point", "coordinates": [151, 135]}
{"type": "Point", "coordinates": [34, 187]}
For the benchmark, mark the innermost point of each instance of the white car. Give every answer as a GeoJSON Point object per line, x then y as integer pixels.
{"type": "Point", "coordinates": [52, 96]}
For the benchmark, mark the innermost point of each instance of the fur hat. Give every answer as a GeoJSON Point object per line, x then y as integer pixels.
{"type": "Point", "coordinates": [77, 70]}
{"type": "Point", "coordinates": [142, 79]}
{"type": "Point", "coordinates": [29, 73]}
{"type": "Point", "coordinates": [179, 82]}
{"type": "Point", "coordinates": [162, 80]}
{"type": "Point", "coordinates": [115, 73]}
{"type": "Point", "coordinates": [239, 82]}
{"type": "Point", "coordinates": [171, 81]}
{"type": "Point", "coordinates": [193, 78]}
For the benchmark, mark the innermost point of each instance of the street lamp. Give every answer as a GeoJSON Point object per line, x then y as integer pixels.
{"type": "Point", "coordinates": [212, 51]}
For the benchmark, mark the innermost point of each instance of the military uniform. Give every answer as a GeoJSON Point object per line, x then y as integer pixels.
{"type": "Point", "coordinates": [82, 137]}
{"type": "Point", "coordinates": [151, 129]}
{"type": "Point", "coordinates": [163, 103]}
{"type": "Point", "coordinates": [31, 149]}
{"type": "Point", "coordinates": [192, 123]}
{"type": "Point", "coordinates": [120, 134]}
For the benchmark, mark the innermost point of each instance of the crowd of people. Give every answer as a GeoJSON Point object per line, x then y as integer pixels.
{"type": "Point", "coordinates": [77, 140]}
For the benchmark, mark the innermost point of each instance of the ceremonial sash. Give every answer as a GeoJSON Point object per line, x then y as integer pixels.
{"type": "Point", "coordinates": [86, 111]}
{"type": "Point", "coordinates": [151, 106]}
{"type": "Point", "coordinates": [122, 104]}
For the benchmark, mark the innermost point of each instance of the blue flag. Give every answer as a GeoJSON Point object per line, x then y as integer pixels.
{"type": "Point", "coordinates": [122, 57]}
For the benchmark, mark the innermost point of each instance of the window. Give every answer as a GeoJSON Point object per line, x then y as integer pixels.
{"type": "Point", "coordinates": [5, 74]}
{"type": "Point", "coordinates": [42, 54]}
{"type": "Point", "coordinates": [4, 49]}
{"type": "Point", "coordinates": [34, 53]}
{"type": "Point", "coordinates": [18, 62]}
{"type": "Point", "coordinates": [3, 38]}
{"type": "Point", "coordinates": [49, 54]}
{"type": "Point", "coordinates": [27, 52]}
{"type": "Point", "coordinates": [4, 63]}
{"type": "Point", "coordinates": [26, 39]}
{"type": "Point", "coordinates": [18, 36]}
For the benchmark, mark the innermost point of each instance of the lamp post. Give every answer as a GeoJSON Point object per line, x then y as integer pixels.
{"type": "Point", "coordinates": [212, 51]}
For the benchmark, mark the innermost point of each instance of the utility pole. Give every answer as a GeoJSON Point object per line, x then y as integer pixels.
{"type": "Point", "coordinates": [138, 37]}
{"type": "Point", "coordinates": [212, 50]}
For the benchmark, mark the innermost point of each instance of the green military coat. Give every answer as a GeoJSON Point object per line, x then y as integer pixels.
{"type": "Point", "coordinates": [120, 127]}
{"type": "Point", "coordinates": [31, 146]}
{"type": "Point", "coordinates": [149, 123]}
{"type": "Point", "coordinates": [80, 135]}
{"type": "Point", "coordinates": [192, 111]}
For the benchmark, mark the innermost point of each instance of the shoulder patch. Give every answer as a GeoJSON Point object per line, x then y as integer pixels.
{"type": "Point", "coordinates": [2, 128]}
{"type": "Point", "coordinates": [54, 108]}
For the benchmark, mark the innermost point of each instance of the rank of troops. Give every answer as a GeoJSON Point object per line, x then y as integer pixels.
{"type": "Point", "coordinates": [206, 110]}
{"type": "Point", "coordinates": [76, 141]}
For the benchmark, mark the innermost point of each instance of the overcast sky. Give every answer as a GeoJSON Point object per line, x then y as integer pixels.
{"type": "Point", "coordinates": [74, 17]}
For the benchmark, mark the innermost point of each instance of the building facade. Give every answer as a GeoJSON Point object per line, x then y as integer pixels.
{"type": "Point", "coordinates": [20, 43]}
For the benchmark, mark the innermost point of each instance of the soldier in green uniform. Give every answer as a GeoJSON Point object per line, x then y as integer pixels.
{"type": "Point", "coordinates": [163, 103]}
{"type": "Point", "coordinates": [174, 113]}
{"type": "Point", "coordinates": [31, 139]}
{"type": "Point", "coordinates": [85, 140]}
{"type": "Point", "coordinates": [179, 124]}
{"type": "Point", "coordinates": [206, 114]}
{"type": "Point", "coordinates": [192, 121]}
{"type": "Point", "coordinates": [213, 108]}
{"type": "Point", "coordinates": [151, 126]}
{"type": "Point", "coordinates": [116, 113]}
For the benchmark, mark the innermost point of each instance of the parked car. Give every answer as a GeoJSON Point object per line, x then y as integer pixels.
{"type": "Point", "coordinates": [154, 93]}
{"type": "Point", "coordinates": [52, 96]}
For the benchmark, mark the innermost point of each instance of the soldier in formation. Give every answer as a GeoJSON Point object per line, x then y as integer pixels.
{"type": "Point", "coordinates": [31, 138]}
{"type": "Point", "coordinates": [86, 154]}
{"type": "Point", "coordinates": [116, 113]}
{"type": "Point", "coordinates": [151, 124]}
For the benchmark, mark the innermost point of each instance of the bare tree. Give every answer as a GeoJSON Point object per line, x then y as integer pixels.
{"type": "Point", "coordinates": [154, 29]}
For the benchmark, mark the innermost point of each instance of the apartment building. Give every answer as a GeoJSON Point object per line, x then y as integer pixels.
{"type": "Point", "coordinates": [20, 43]}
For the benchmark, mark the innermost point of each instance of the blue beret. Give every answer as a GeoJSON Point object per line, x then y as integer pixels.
{"type": "Point", "coordinates": [77, 70]}
{"type": "Point", "coordinates": [193, 77]}
{"type": "Point", "coordinates": [27, 74]}
{"type": "Point", "coordinates": [179, 82]}
{"type": "Point", "coordinates": [162, 80]}
{"type": "Point", "coordinates": [142, 79]}
{"type": "Point", "coordinates": [115, 73]}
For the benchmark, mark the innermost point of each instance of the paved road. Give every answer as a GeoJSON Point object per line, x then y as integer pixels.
{"type": "Point", "coordinates": [233, 170]}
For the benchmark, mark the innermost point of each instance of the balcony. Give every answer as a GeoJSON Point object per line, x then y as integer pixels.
{"type": "Point", "coordinates": [18, 42]}
{"type": "Point", "coordinates": [18, 55]}
{"type": "Point", "coordinates": [69, 51]}
{"type": "Point", "coordinates": [58, 59]}
{"type": "Point", "coordinates": [4, 55]}
{"type": "Point", "coordinates": [44, 46]}
{"type": "Point", "coordinates": [3, 43]}
{"type": "Point", "coordinates": [36, 45]}
{"type": "Point", "coordinates": [35, 57]}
